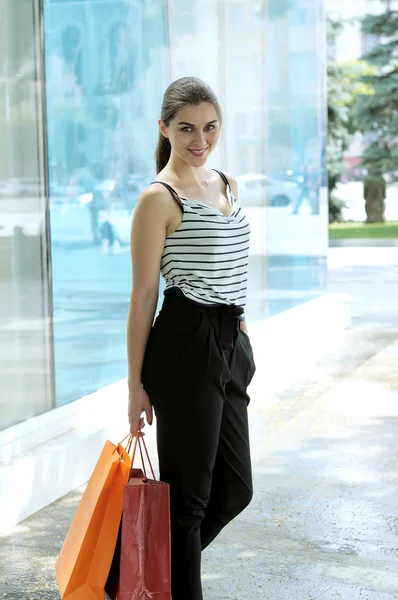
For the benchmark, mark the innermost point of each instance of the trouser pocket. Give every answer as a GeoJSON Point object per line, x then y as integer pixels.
{"type": "Point", "coordinates": [247, 357]}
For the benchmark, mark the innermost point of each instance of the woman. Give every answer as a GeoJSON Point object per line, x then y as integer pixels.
{"type": "Point", "coordinates": [194, 365]}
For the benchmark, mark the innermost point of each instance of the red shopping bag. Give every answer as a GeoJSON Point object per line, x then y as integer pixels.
{"type": "Point", "coordinates": [83, 565]}
{"type": "Point", "coordinates": [145, 571]}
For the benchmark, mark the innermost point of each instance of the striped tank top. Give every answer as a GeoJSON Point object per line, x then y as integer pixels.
{"type": "Point", "coordinates": [206, 258]}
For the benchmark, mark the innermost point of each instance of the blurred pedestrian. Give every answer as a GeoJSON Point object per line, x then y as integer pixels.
{"type": "Point", "coordinates": [304, 189]}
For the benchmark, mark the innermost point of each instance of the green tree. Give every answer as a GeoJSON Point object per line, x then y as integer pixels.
{"type": "Point", "coordinates": [377, 112]}
{"type": "Point", "coordinates": [345, 86]}
{"type": "Point", "coordinates": [340, 122]}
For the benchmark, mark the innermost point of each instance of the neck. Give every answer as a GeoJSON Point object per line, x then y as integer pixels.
{"type": "Point", "coordinates": [186, 173]}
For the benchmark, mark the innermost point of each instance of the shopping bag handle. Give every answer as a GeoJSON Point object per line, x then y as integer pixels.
{"type": "Point", "coordinates": [139, 439]}
{"type": "Point", "coordinates": [126, 448]}
{"type": "Point", "coordinates": [129, 435]}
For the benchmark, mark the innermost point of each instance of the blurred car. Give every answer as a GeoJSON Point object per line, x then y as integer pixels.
{"type": "Point", "coordinates": [257, 190]}
{"type": "Point", "coordinates": [287, 175]}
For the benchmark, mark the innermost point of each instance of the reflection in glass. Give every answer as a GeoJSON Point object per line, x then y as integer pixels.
{"type": "Point", "coordinates": [72, 52]}
{"type": "Point", "coordinates": [297, 215]}
{"type": "Point", "coordinates": [106, 69]}
{"type": "Point", "coordinates": [107, 66]}
{"type": "Point", "coordinates": [246, 113]}
{"type": "Point", "coordinates": [25, 352]}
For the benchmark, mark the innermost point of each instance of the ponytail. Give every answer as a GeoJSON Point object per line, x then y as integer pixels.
{"type": "Point", "coordinates": [162, 154]}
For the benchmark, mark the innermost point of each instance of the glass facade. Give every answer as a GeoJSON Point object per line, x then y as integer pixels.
{"type": "Point", "coordinates": [297, 211]}
{"type": "Point", "coordinates": [270, 78]}
{"type": "Point", "coordinates": [107, 64]}
{"type": "Point", "coordinates": [25, 326]}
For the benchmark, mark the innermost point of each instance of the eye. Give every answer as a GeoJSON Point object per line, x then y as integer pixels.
{"type": "Point", "coordinates": [210, 127]}
{"type": "Point", "coordinates": [186, 129]}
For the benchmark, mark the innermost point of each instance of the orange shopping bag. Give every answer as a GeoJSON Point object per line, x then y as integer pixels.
{"type": "Point", "coordinates": [83, 565]}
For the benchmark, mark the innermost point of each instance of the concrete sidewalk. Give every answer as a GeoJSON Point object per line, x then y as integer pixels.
{"type": "Point", "coordinates": [323, 523]}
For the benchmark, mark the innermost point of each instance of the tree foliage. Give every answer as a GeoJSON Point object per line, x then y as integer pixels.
{"type": "Point", "coordinates": [339, 133]}
{"type": "Point", "coordinates": [344, 86]}
{"type": "Point", "coordinates": [377, 113]}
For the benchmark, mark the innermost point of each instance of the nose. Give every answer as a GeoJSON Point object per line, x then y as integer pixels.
{"type": "Point", "coordinates": [200, 140]}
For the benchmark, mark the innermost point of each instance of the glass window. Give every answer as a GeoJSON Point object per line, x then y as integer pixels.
{"type": "Point", "coordinates": [72, 53]}
{"type": "Point", "coordinates": [104, 88]}
{"type": "Point", "coordinates": [25, 331]}
{"type": "Point", "coordinates": [296, 198]}
{"type": "Point", "coordinates": [260, 13]}
{"type": "Point", "coordinates": [198, 45]}
{"type": "Point", "coordinates": [107, 66]}
{"type": "Point", "coordinates": [185, 15]}
{"type": "Point", "coordinates": [245, 94]}
{"type": "Point", "coordinates": [238, 11]}
{"type": "Point", "coordinates": [274, 74]}
{"type": "Point", "coordinates": [241, 123]}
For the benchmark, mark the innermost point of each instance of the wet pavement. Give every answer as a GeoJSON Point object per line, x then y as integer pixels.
{"type": "Point", "coordinates": [323, 523]}
{"type": "Point", "coordinates": [324, 520]}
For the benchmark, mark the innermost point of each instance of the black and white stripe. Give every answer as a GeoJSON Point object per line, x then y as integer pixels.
{"type": "Point", "coordinates": [207, 256]}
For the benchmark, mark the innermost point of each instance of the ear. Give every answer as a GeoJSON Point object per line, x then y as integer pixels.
{"type": "Point", "coordinates": [162, 128]}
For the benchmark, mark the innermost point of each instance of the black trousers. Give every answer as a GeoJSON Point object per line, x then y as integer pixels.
{"type": "Point", "coordinates": [197, 366]}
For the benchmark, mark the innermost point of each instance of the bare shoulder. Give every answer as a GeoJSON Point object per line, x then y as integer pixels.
{"type": "Point", "coordinates": [156, 192]}
{"type": "Point", "coordinates": [155, 199]}
{"type": "Point", "coordinates": [233, 183]}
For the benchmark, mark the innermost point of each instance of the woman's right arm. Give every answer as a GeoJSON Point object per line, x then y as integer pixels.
{"type": "Point", "coordinates": [148, 234]}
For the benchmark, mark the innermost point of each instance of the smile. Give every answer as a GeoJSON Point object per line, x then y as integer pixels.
{"type": "Point", "coordinates": [197, 152]}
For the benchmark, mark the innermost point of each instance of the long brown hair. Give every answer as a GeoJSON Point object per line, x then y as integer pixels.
{"type": "Point", "coordinates": [182, 92]}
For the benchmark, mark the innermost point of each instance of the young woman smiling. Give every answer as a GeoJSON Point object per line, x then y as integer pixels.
{"type": "Point", "coordinates": [194, 363]}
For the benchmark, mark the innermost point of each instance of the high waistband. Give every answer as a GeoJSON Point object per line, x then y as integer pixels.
{"type": "Point", "coordinates": [227, 316]}
{"type": "Point", "coordinates": [215, 309]}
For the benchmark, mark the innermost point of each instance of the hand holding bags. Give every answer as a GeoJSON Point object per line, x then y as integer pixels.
{"type": "Point", "coordinates": [85, 559]}
{"type": "Point", "coordinates": [145, 540]}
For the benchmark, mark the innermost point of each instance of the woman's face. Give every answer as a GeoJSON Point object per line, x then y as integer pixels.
{"type": "Point", "coordinates": [193, 133]}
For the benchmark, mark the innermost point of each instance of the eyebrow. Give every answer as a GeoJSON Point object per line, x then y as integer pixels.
{"type": "Point", "coordinates": [191, 124]}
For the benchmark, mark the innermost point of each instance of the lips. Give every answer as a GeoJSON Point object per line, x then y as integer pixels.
{"type": "Point", "coordinates": [198, 152]}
